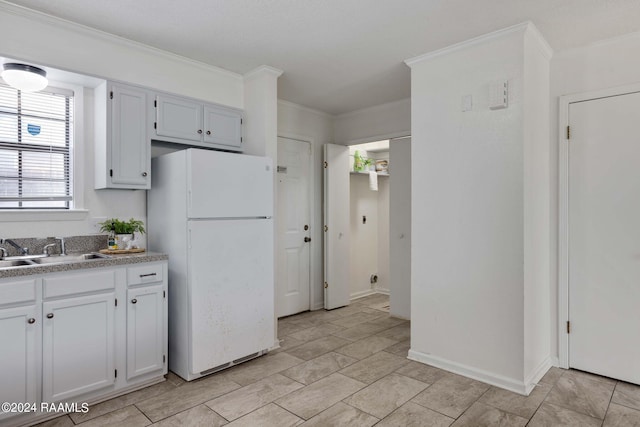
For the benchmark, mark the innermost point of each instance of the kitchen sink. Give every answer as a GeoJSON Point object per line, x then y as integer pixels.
{"type": "Point", "coordinates": [54, 259]}
{"type": "Point", "coordinates": [15, 262]}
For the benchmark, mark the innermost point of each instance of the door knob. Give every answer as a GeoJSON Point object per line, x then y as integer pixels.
{"type": "Point", "coordinates": [307, 239]}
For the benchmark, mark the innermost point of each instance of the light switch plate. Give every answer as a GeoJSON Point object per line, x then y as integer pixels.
{"type": "Point", "coordinates": [467, 103]}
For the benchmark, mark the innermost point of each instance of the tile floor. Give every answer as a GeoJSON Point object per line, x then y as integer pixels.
{"type": "Point", "coordinates": [348, 367]}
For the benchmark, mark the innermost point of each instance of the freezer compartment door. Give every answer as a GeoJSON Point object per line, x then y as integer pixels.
{"type": "Point", "coordinates": [227, 185]}
{"type": "Point", "coordinates": [231, 290]}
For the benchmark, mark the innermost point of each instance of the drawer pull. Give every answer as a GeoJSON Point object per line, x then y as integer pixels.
{"type": "Point", "coordinates": [31, 321]}
{"type": "Point", "coordinates": [147, 275]}
{"type": "Point", "coordinates": [50, 316]}
{"type": "Point", "coordinates": [133, 301]}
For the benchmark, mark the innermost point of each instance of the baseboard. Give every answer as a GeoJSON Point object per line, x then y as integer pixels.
{"type": "Point", "coordinates": [318, 306]}
{"type": "Point", "coordinates": [555, 361]}
{"type": "Point", "coordinates": [537, 374]}
{"type": "Point", "coordinates": [384, 291]}
{"type": "Point", "coordinates": [471, 372]}
{"type": "Point", "coordinates": [362, 294]}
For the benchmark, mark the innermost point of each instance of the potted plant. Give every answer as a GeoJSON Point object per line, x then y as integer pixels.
{"type": "Point", "coordinates": [360, 163]}
{"type": "Point", "coordinates": [124, 230]}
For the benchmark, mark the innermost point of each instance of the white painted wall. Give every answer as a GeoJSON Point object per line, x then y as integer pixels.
{"type": "Point", "coordinates": [400, 228]}
{"type": "Point", "coordinates": [537, 283]}
{"type": "Point", "coordinates": [364, 237]}
{"type": "Point", "coordinates": [468, 222]}
{"type": "Point", "coordinates": [602, 65]}
{"type": "Point", "coordinates": [298, 122]}
{"type": "Point", "coordinates": [383, 121]}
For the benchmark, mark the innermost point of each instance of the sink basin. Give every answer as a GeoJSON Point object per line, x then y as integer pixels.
{"type": "Point", "coordinates": [15, 263]}
{"type": "Point", "coordinates": [69, 258]}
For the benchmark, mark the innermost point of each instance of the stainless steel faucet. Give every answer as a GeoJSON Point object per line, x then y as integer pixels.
{"type": "Point", "coordinates": [63, 246]}
{"type": "Point", "coordinates": [23, 251]}
{"type": "Point", "coordinates": [45, 250]}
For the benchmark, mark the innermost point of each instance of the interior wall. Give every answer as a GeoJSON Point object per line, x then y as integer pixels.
{"type": "Point", "coordinates": [364, 236]}
{"type": "Point", "coordinates": [298, 122]}
{"type": "Point", "coordinates": [602, 65]}
{"type": "Point", "coordinates": [467, 212]}
{"type": "Point", "coordinates": [383, 121]}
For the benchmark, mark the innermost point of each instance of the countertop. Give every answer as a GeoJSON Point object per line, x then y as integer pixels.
{"type": "Point", "coordinates": [113, 261]}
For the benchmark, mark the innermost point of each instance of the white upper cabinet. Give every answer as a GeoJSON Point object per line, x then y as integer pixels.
{"type": "Point", "coordinates": [186, 121]}
{"type": "Point", "coordinates": [123, 146]}
{"type": "Point", "coordinates": [178, 118]}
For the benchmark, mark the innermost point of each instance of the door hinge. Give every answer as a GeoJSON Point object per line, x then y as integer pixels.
{"type": "Point", "coordinates": [110, 172]}
{"type": "Point", "coordinates": [326, 228]}
{"type": "Point", "coordinates": [241, 121]}
{"type": "Point", "coordinates": [568, 132]}
{"type": "Point", "coordinates": [116, 302]}
{"type": "Point", "coordinates": [240, 140]}
{"type": "Point", "coordinates": [111, 95]}
{"type": "Point", "coordinates": [155, 125]}
{"type": "Point", "coordinates": [326, 285]}
{"type": "Point", "coordinates": [155, 103]}
{"type": "Point", "coordinates": [116, 373]}
{"type": "Point", "coordinates": [164, 358]}
{"type": "Point", "coordinates": [568, 327]}
{"type": "Point", "coordinates": [325, 164]}
{"type": "Point", "coordinates": [164, 294]}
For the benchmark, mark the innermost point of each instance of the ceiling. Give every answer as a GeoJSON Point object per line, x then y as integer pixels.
{"type": "Point", "coordinates": [337, 55]}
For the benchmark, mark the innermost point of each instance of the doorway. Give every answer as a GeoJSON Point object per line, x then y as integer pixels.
{"type": "Point", "coordinates": [293, 227]}
{"type": "Point", "coordinates": [600, 238]}
{"type": "Point", "coordinates": [362, 255]}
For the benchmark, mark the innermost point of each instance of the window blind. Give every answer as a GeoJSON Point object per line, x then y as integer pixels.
{"type": "Point", "coordinates": [36, 137]}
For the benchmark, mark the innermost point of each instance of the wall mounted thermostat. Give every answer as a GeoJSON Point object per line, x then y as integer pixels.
{"type": "Point", "coordinates": [499, 95]}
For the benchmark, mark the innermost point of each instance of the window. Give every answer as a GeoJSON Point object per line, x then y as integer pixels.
{"type": "Point", "coordinates": [36, 138]}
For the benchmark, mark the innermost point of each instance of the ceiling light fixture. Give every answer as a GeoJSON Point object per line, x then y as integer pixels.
{"type": "Point", "coordinates": [25, 78]}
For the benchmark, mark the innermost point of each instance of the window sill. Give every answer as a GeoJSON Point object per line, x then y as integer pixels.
{"type": "Point", "coordinates": [43, 215]}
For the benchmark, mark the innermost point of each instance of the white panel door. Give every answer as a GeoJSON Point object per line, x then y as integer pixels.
{"type": "Point", "coordinates": [400, 227]}
{"type": "Point", "coordinates": [604, 237]}
{"type": "Point", "coordinates": [228, 185]}
{"type": "Point", "coordinates": [230, 289]}
{"type": "Point", "coordinates": [77, 346]}
{"type": "Point", "coordinates": [292, 281]}
{"type": "Point", "coordinates": [178, 118]}
{"type": "Point", "coordinates": [130, 145]}
{"type": "Point", "coordinates": [19, 354]}
{"type": "Point", "coordinates": [336, 220]}
{"type": "Point", "coordinates": [145, 330]}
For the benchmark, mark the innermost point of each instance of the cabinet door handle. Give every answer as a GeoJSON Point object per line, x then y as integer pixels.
{"type": "Point", "coordinates": [144, 174]}
{"type": "Point", "coordinates": [133, 301]}
{"type": "Point", "coordinates": [200, 131]}
{"type": "Point", "coordinates": [31, 321]}
{"type": "Point", "coordinates": [50, 316]}
{"type": "Point", "coordinates": [208, 132]}
{"type": "Point", "coordinates": [147, 275]}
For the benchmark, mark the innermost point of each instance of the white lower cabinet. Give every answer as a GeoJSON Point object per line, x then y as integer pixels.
{"type": "Point", "coordinates": [77, 336]}
{"type": "Point", "coordinates": [18, 354]}
{"type": "Point", "coordinates": [78, 346]}
{"type": "Point", "coordinates": [146, 308]}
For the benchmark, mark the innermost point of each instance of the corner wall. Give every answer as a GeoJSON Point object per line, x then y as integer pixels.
{"type": "Point", "coordinates": [471, 240]}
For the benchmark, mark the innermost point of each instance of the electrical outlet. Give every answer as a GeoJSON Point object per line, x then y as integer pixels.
{"type": "Point", "coordinates": [94, 223]}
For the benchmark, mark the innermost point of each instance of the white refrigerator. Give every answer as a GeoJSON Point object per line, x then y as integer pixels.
{"type": "Point", "coordinates": [212, 213]}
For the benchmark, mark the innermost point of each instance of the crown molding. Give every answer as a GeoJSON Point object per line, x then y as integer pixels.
{"type": "Point", "coordinates": [263, 69]}
{"type": "Point", "coordinates": [303, 108]}
{"type": "Point", "coordinates": [522, 27]}
{"type": "Point", "coordinates": [40, 17]}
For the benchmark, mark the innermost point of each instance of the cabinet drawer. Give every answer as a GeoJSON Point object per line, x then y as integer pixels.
{"type": "Point", "coordinates": [17, 291]}
{"type": "Point", "coordinates": [79, 283]}
{"type": "Point", "coordinates": [145, 274]}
